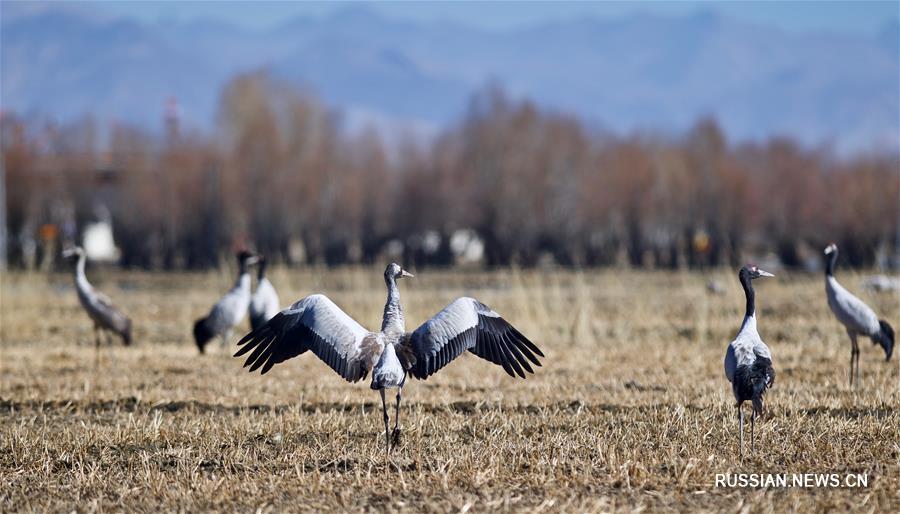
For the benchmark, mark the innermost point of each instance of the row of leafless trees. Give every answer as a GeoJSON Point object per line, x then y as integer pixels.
{"type": "Point", "coordinates": [281, 177]}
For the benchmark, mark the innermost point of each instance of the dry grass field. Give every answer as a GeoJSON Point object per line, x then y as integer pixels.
{"type": "Point", "coordinates": [631, 410]}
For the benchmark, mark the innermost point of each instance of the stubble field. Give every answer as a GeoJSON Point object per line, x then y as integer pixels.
{"type": "Point", "coordinates": [631, 410]}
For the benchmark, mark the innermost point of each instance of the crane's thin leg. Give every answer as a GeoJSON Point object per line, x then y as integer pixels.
{"type": "Point", "coordinates": [104, 342]}
{"type": "Point", "coordinates": [387, 436]}
{"type": "Point", "coordinates": [752, 430]}
{"type": "Point", "coordinates": [96, 344]}
{"type": "Point", "coordinates": [226, 337]}
{"type": "Point", "coordinates": [854, 357]}
{"type": "Point", "coordinates": [110, 344]}
{"type": "Point", "coordinates": [741, 417]}
{"type": "Point", "coordinates": [396, 434]}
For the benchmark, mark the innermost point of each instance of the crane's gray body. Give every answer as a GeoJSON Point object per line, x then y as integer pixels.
{"type": "Point", "coordinates": [388, 371]}
{"type": "Point", "coordinates": [850, 310]}
{"type": "Point", "coordinates": [744, 351]}
{"type": "Point", "coordinates": [264, 304]}
{"type": "Point", "coordinates": [231, 309]}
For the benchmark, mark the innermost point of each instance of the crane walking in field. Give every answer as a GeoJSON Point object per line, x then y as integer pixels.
{"type": "Point", "coordinates": [264, 304]}
{"type": "Point", "coordinates": [315, 323]}
{"type": "Point", "coordinates": [106, 317]}
{"type": "Point", "coordinates": [855, 315]}
{"type": "Point", "coordinates": [230, 310]}
{"type": "Point", "coordinates": [748, 362]}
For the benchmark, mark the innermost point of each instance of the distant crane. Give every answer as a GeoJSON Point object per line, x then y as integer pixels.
{"type": "Point", "coordinates": [748, 362]}
{"type": "Point", "coordinates": [106, 317]}
{"type": "Point", "coordinates": [856, 316]}
{"type": "Point", "coordinates": [264, 303]}
{"type": "Point", "coordinates": [315, 323]}
{"type": "Point", "coordinates": [230, 310]}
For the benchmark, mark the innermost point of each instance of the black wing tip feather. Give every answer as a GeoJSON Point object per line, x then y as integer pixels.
{"type": "Point", "coordinates": [527, 342]}
{"type": "Point", "coordinates": [243, 346]}
{"type": "Point", "coordinates": [523, 362]}
{"type": "Point", "coordinates": [249, 341]}
{"type": "Point", "coordinates": [500, 343]}
{"type": "Point", "coordinates": [510, 364]}
{"type": "Point", "coordinates": [264, 341]}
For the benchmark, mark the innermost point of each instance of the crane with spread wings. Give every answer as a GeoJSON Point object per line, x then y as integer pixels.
{"type": "Point", "coordinates": [316, 324]}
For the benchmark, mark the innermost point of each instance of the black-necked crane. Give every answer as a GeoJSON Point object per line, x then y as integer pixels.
{"type": "Point", "coordinates": [106, 317]}
{"type": "Point", "coordinates": [748, 361]}
{"type": "Point", "coordinates": [855, 315]}
{"type": "Point", "coordinates": [230, 310]}
{"type": "Point", "coordinates": [264, 303]}
{"type": "Point", "coordinates": [315, 323]}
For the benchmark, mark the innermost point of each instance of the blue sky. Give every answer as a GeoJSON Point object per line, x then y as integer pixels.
{"type": "Point", "coordinates": [834, 16]}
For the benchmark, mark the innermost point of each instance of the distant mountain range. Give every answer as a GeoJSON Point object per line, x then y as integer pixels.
{"type": "Point", "coordinates": [642, 72]}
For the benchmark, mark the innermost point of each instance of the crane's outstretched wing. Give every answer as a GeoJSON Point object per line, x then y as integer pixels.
{"type": "Point", "coordinates": [314, 323]}
{"type": "Point", "coordinates": [467, 324]}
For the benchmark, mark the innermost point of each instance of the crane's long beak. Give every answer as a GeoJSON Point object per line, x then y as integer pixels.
{"type": "Point", "coordinates": [253, 260]}
{"type": "Point", "coordinates": [764, 273]}
{"type": "Point", "coordinates": [68, 252]}
{"type": "Point", "coordinates": [406, 274]}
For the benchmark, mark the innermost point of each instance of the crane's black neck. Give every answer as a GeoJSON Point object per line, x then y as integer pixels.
{"type": "Point", "coordinates": [830, 261]}
{"type": "Point", "coordinates": [745, 279]}
{"type": "Point", "coordinates": [261, 272]}
{"type": "Point", "coordinates": [242, 264]}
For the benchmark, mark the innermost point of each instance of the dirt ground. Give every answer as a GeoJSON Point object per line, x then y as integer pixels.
{"type": "Point", "coordinates": [631, 410]}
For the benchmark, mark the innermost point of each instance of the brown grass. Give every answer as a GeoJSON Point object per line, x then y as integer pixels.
{"type": "Point", "coordinates": [631, 410]}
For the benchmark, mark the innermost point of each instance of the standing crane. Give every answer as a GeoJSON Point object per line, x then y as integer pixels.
{"type": "Point", "coordinates": [264, 303]}
{"type": "Point", "coordinates": [315, 323]}
{"type": "Point", "coordinates": [748, 362]}
{"type": "Point", "coordinates": [855, 315]}
{"type": "Point", "coordinates": [230, 310]}
{"type": "Point", "coordinates": [107, 318]}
